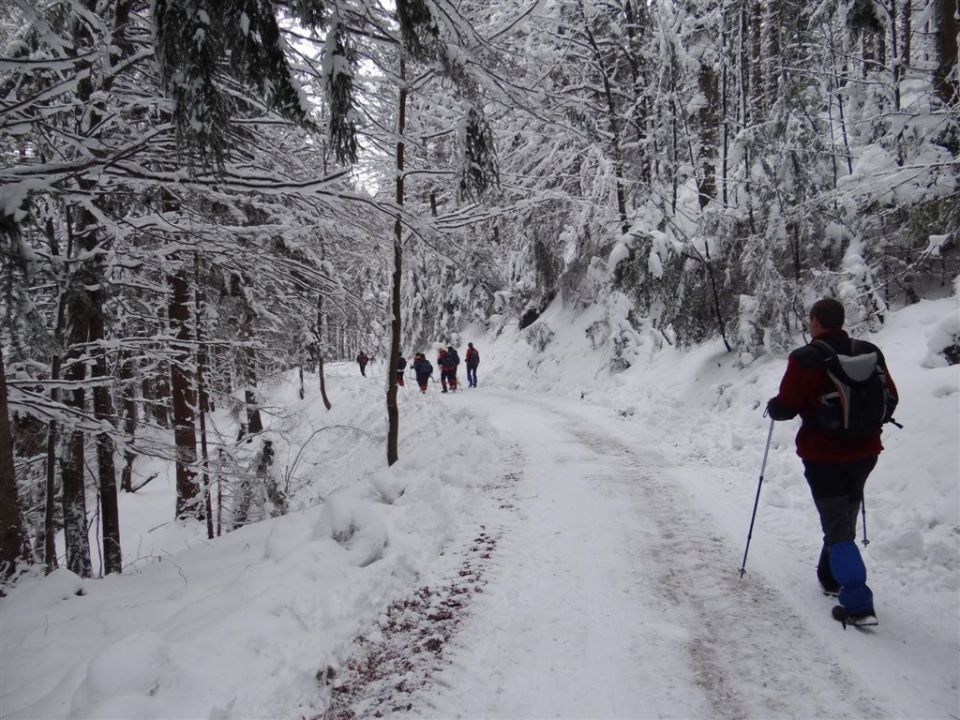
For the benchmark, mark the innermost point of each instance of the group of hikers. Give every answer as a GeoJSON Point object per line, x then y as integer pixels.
{"type": "Point", "coordinates": [448, 360]}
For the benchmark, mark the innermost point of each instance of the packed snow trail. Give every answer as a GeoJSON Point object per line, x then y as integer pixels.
{"type": "Point", "coordinates": [610, 596]}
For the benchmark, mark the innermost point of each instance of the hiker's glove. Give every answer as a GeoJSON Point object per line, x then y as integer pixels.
{"type": "Point", "coordinates": [778, 411]}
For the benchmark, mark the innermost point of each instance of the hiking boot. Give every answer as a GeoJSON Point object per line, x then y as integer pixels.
{"type": "Point", "coordinates": [863, 618]}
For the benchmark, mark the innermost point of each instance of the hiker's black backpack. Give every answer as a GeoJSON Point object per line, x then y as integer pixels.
{"type": "Point", "coordinates": [857, 401]}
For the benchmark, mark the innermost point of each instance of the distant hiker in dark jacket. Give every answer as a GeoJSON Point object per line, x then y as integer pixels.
{"type": "Point", "coordinates": [448, 368]}
{"type": "Point", "coordinates": [401, 366]}
{"type": "Point", "coordinates": [362, 361]}
{"type": "Point", "coordinates": [837, 457]}
{"type": "Point", "coordinates": [423, 369]}
{"type": "Point", "coordinates": [473, 360]}
{"type": "Point", "coordinates": [441, 354]}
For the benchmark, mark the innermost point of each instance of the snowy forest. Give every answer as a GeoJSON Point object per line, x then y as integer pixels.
{"type": "Point", "coordinates": [208, 208]}
{"type": "Point", "coordinates": [198, 195]}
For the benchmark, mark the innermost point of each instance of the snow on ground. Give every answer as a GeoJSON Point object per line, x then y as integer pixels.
{"type": "Point", "coordinates": [614, 588]}
{"type": "Point", "coordinates": [240, 626]}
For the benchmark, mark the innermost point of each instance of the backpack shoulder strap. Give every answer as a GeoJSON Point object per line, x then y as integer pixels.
{"type": "Point", "coordinates": [827, 354]}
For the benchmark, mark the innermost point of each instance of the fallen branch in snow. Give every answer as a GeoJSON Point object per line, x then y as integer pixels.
{"type": "Point", "coordinates": [137, 487]}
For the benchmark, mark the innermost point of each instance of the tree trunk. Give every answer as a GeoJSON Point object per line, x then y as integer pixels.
{"type": "Point", "coordinates": [716, 296]}
{"type": "Point", "coordinates": [90, 240]}
{"type": "Point", "coordinates": [72, 454]}
{"type": "Point", "coordinates": [160, 390]}
{"type": "Point", "coordinates": [724, 90]}
{"type": "Point", "coordinates": [219, 491]}
{"type": "Point", "coordinates": [743, 42]}
{"type": "Point", "coordinates": [14, 547]}
{"type": "Point", "coordinates": [612, 121]}
{"type": "Point", "coordinates": [130, 417]}
{"type": "Point", "coordinates": [880, 52]}
{"type": "Point", "coordinates": [254, 421]}
{"type": "Point", "coordinates": [87, 299]}
{"type": "Point", "coordinates": [199, 299]}
{"type": "Point", "coordinates": [161, 395]}
{"type": "Point", "coordinates": [743, 104]}
{"type": "Point", "coordinates": [945, 54]}
{"type": "Point", "coordinates": [103, 411]}
{"type": "Point", "coordinates": [772, 61]}
{"type": "Point", "coordinates": [795, 236]}
{"type": "Point", "coordinates": [906, 28]}
{"type": "Point", "coordinates": [841, 83]}
{"type": "Point", "coordinates": [50, 504]}
{"type": "Point", "coordinates": [896, 66]}
{"type": "Point", "coordinates": [87, 324]}
{"type": "Point", "coordinates": [184, 428]}
{"type": "Point", "coordinates": [320, 346]}
{"type": "Point", "coordinates": [73, 495]}
{"type": "Point", "coordinates": [393, 412]}
{"type": "Point", "coordinates": [708, 114]}
{"type": "Point", "coordinates": [636, 21]}
{"type": "Point", "coordinates": [53, 429]}
{"type": "Point", "coordinates": [756, 58]}
{"type": "Point", "coordinates": [674, 153]}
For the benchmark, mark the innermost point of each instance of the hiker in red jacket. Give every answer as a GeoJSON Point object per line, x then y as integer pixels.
{"type": "Point", "coordinates": [448, 368]}
{"type": "Point", "coordinates": [473, 360]}
{"type": "Point", "coordinates": [843, 392]}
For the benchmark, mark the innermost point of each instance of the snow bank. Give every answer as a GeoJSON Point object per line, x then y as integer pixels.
{"type": "Point", "coordinates": [240, 626]}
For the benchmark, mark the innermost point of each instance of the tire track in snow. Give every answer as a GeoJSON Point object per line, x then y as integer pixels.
{"type": "Point", "coordinates": [405, 650]}
{"type": "Point", "coordinates": [556, 634]}
{"type": "Point", "coordinates": [751, 654]}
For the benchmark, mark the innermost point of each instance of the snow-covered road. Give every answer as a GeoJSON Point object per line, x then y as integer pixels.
{"type": "Point", "coordinates": [612, 595]}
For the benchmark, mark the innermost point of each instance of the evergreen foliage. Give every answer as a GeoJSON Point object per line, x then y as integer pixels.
{"type": "Point", "coordinates": [198, 41]}
{"type": "Point", "coordinates": [417, 28]}
{"type": "Point", "coordinates": [338, 73]}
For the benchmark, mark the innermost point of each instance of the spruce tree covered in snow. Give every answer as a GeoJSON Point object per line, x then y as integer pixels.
{"type": "Point", "coordinates": [200, 41]}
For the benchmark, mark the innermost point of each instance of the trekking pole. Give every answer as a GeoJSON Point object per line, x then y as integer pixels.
{"type": "Point", "coordinates": [763, 466]}
{"type": "Point", "coordinates": [863, 507]}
